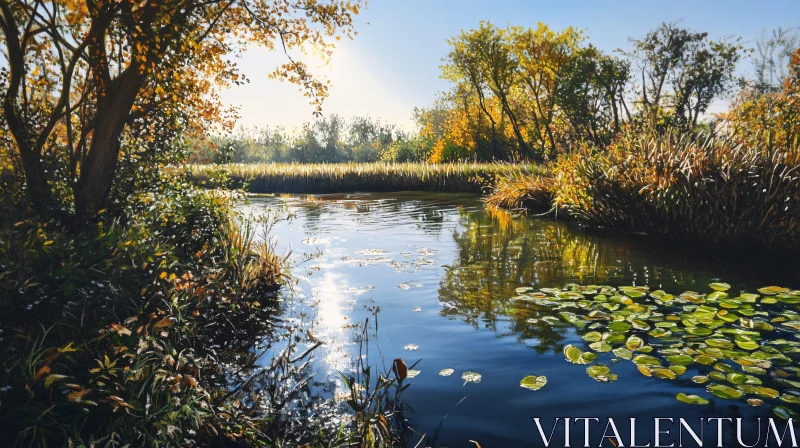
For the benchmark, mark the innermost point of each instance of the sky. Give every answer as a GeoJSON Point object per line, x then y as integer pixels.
{"type": "Point", "coordinates": [392, 65]}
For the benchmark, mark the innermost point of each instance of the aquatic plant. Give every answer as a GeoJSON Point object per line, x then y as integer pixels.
{"type": "Point", "coordinates": [744, 345]}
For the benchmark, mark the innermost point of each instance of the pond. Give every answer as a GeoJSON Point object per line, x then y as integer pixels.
{"type": "Point", "coordinates": [459, 286]}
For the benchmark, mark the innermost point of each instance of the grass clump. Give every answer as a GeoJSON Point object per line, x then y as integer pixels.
{"type": "Point", "coordinates": [692, 187]}
{"type": "Point", "coordinates": [349, 177]}
{"type": "Point", "coordinates": [519, 190]}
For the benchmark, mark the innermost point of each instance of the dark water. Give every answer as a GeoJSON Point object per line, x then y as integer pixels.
{"type": "Point", "coordinates": [442, 268]}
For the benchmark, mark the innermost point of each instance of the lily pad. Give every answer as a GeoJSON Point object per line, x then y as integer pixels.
{"type": "Point", "coordinates": [601, 373]}
{"type": "Point", "coordinates": [446, 372]}
{"type": "Point", "coordinates": [533, 382]}
{"type": "Point", "coordinates": [724, 392]}
{"type": "Point", "coordinates": [471, 377]}
{"type": "Point", "coordinates": [691, 399]}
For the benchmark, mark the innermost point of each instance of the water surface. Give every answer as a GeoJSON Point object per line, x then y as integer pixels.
{"type": "Point", "coordinates": [442, 269]}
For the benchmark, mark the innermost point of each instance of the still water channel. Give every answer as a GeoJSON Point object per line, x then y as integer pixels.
{"type": "Point", "coordinates": [444, 272]}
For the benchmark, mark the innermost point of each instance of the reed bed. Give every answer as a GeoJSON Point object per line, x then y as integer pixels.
{"type": "Point", "coordinates": [690, 188]}
{"type": "Point", "coordinates": [349, 177]}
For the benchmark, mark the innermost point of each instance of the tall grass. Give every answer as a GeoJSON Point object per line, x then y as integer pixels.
{"type": "Point", "coordinates": [698, 188]}
{"type": "Point", "coordinates": [348, 177]}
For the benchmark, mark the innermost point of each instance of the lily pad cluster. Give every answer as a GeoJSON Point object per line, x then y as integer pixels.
{"type": "Point", "coordinates": [744, 346]}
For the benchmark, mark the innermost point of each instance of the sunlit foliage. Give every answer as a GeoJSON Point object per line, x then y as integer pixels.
{"type": "Point", "coordinates": [85, 83]}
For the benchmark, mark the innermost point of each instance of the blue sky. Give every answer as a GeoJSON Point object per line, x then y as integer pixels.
{"type": "Point", "coordinates": [393, 64]}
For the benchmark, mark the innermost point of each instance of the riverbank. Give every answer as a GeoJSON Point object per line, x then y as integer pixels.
{"type": "Point", "coordinates": [704, 190]}
{"type": "Point", "coordinates": [155, 326]}
{"type": "Point", "coordinates": [351, 177]}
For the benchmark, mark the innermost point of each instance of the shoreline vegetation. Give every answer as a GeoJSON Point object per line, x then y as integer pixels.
{"type": "Point", "coordinates": [352, 177]}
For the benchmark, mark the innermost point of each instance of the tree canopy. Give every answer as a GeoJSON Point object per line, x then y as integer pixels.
{"type": "Point", "coordinates": [88, 83]}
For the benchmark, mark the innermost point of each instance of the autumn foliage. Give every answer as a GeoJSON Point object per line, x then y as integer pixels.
{"type": "Point", "coordinates": [86, 85]}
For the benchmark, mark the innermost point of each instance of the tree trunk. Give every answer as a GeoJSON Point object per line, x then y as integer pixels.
{"type": "Point", "coordinates": [98, 172]}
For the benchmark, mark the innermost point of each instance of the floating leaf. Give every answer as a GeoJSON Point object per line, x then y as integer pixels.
{"type": "Point", "coordinates": [720, 286]}
{"type": "Point", "coordinates": [533, 382]}
{"type": "Point", "coordinates": [691, 399]}
{"type": "Point", "coordinates": [471, 377]}
{"type": "Point", "coordinates": [683, 360]}
{"type": "Point", "coordinates": [784, 412]}
{"type": "Point", "coordinates": [592, 336]}
{"type": "Point", "coordinates": [576, 356]}
{"type": "Point", "coordinates": [623, 353]}
{"type": "Point", "coordinates": [634, 343]}
{"type": "Point", "coordinates": [725, 392]}
{"type": "Point", "coordinates": [600, 346]}
{"type": "Point", "coordinates": [446, 372]}
{"type": "Point", "coordinates": [601, 373]}
{"type": "Point", "coordinates": [794, 399]}
{"type": "Point", "coordinates": [647, 360]}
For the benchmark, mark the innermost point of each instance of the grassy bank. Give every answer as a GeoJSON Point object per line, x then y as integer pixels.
{"type": "Point", "coordinates": [703, 189]}
{"type": "Point", "coordinates": [156, 328]}
{"type": "Point", "coordinates": [349, 177]}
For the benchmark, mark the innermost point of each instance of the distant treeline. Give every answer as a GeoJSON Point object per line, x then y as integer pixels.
{"type": "Point", "coordinates": [329, 139]}
{"type": "Point", "coordinates": [534, 93]}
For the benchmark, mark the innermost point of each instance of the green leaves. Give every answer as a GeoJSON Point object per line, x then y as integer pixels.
{"type": "Point", "coordinates": [532, 382]}
{"type": "Point", "coordinates": [576, 356]}
{"type": "Point", "coordinates": [665, 338]}
{"type": "Point", "coordinates": [725, 392]}
{"type": "Point", "coordinates": [601, 373]}
{"type": "Point", "coordinates": [690, 399]}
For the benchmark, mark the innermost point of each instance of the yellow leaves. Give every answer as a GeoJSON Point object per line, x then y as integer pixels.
{"type": "Point", "coordinates": [45, 370]}
{"type": "Point", "coordinates": [77, 395]}
{"type": "Point", "coordinates": [53, 378]}
{"type": "Point", "coordinates": [118, 402]}
{"type": "Point", "coordinates": [163, 323]}
{"type": "Point", "coordinates": [120, 330]}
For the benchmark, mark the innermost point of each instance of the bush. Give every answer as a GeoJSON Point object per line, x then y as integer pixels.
{"type": "Point", "coordinates": [131, 332]}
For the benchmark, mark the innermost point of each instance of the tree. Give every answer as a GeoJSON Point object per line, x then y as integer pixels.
{"type": "Point", "coordinates": [86, 79]}
{"type": "Point", "coordinates": [682, 71]}
{"type": "Point", "coordinates": [772, 55]}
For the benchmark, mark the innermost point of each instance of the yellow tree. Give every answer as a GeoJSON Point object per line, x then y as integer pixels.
{"type": "Point", "coordinates": [542, 55]}
{"type": "Point", "coordinates": [81, 78]}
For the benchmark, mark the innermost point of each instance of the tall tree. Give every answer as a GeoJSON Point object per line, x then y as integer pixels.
{"type": "Point", "coordinates": [682, 71]}
{"type": "Point", "coordinates": [84, 77]}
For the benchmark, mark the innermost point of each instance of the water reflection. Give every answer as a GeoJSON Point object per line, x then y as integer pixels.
{"type": "Point", "coordinates": [443, 270]}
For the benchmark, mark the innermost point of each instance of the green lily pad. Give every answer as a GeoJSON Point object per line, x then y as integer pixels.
{"type": "Point", "coordinates": [600, 346]}
{"type": "Point", "coordinates": [724, 392]}
{"type": "Point", "coordinates": [601, 373]}
{"type": "Point", "coordinates": [683, 360]}
{"type": "Point", "coordinates": [620, 326]}
{"type": "Point", "coordinates": [690, 399]}
{"type": "Point", "coordinates": [794, 399]}
{"type": "Point", "coordinates": [720, 286]}
{"type": "Point", "coordinates": [576, 356]}
{"type": "Point", "coordinates": [784, 412]}
{"type": "Point", "coordinates": [634, 343]}
{"type": "Point", "coordinates": [699, 379]}
{"type": "Point", "coordinates": [623, 353]}
{"type": "Point", "coordinates": [592, 336]}
{"type": "Point", "coordinates": [532, 382]}
{"type": "Point", "coordinates": [647, 360]}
